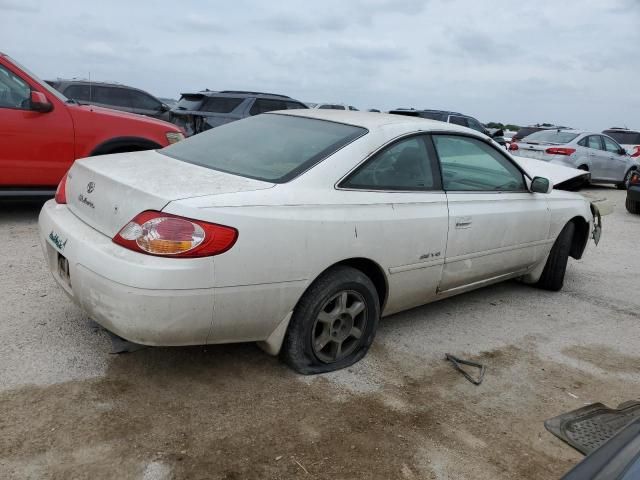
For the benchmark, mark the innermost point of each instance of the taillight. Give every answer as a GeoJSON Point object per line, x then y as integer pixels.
{"type": "Point", "coordinates": [560, 151]}
{"type": "Point", "coordinates": [163, 234]}
{"type": "Point", "coordinates": [513, 146]}
{"type": "Point", "coordinates": [635, 179]}
{"type": "Point", "coordinates": [637, 152]}
{"type": "Point", "coordinates": [61, 191]}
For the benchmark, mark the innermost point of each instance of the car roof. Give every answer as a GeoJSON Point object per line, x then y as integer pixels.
{"type": "Point", "coordinates": [372, 120]}
{"type": "Point", "coordinates": [239, 93]}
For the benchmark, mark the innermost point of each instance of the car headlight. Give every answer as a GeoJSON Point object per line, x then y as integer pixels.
{"type": "Point", "coordinates": [174, 137]}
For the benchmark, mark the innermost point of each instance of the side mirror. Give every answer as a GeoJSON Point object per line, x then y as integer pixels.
{"type": "Point", "coordinates": [39, 102]}
{"type": "Point", "coordinates": [622, 151]}
{"type": "Point", "coordinates": [164, 107]}
{"type": "Point", "coordinates": [541, 185]}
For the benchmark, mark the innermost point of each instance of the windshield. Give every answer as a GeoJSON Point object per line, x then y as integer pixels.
{"type": "Point", "coordinates": [270, 147]}
{"type": "Point", "coordinates": [43, 84]}
{"type": "Point", "coordinates": [550, 136]}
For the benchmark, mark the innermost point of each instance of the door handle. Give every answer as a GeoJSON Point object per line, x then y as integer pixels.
{"type": "Point", "coordinates": [463, 222]}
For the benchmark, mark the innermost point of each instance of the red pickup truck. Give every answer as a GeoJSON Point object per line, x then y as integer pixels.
{"type": "Point", "coordinates": [42, 132]}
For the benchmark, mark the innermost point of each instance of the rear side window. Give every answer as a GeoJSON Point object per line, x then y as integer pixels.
{"type": "Point", "coordinates": [143, 101]}
{"type": "Point", "coordinates": [433, 116]}
{"type": "Point", "coordinates": [263, 105]}
{"type": "Point", "coordinates": [294, 105]}
{"type": "Point", "coordinates": [405, 165]}
{"type": "Point", "coordinates": [625, 138]}
{"type": "Point", "coordinates": [115, 96]}
{"type": "Point", "coordinates": [220, 104]}
{"type": "Point", "coordinates": [476, 125]}
{"type": "Point", "coordinates": [190, 102]}
{"type": "Point", "coordinates": [80, 93]}
{"type": "Point", "coordinates": [458, 121]}
{"type": "Point", "coordinates": [273, 148]}
{"type": "Point", "coordinates": [551, 136]}
{"type": "Point", "coordinates": [592, 141]}
{"type": "Point", "coordinates": [469, 164]}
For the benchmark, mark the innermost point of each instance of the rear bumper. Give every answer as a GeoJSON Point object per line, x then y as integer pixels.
{"type": "Point", "coordinates": [144, 299]}
{"type": "Point", "coordinates": [158, 301]}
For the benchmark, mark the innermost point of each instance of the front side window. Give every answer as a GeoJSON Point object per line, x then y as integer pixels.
{"type": "Point", "coordinates": [14, 92]}
{"type": "Point", "coordinates": [611, 146]}
{"type": "Point", "coordinates": [143, 101]}
{"type": "Point", "coordinates": [469, 164]}
{"type": "Point", "coordinates": [274, 148]}
{"type": "Point", "coordinates": [403, 166]}
{"type": "Point", "coordinates": [294, 105]}
{"type": "Point", "coordinates": [476, 125]}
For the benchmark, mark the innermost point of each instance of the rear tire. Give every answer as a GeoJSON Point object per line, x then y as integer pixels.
{"type": "Point", "coordinates": [552, 277]}
{"type": "Point", "coordinates": [632, 206]}
{"type": "Point", "coordinates": [333, 324]}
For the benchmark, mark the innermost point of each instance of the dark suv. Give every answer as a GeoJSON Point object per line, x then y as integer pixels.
{"type": "Point", "coordinates": [112, 95]}
{"type": "Point", "coordinates": [451, 117]}
{"type": "Point", "coordinates": [197, 112]}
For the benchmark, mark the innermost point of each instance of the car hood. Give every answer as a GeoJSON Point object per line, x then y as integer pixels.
{"type": "Point", "coordinates": [108, 191]}
{"type": "Point", "coordinates": [559, 175]}
{"type": "Point", "coordinates": [107, 112]}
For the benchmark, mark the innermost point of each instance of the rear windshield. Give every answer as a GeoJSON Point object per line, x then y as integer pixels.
{"type": "Point", "coordinates": [551, 136]}
{"type": "Point", "coordinates": [270, 147]}
{"type": "Point", "coordinates": [189, 102]}
{"type": "Point", "coordinates": [625, 138]}
{"type": "Point", "coordinates": [523, 132]}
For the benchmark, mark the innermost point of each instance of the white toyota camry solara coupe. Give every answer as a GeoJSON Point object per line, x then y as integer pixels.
{"type": "Point", "coordinates": [300, 229]}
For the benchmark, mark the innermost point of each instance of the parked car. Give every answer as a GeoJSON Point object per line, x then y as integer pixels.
{"type": "Point", "coordinates": [334, 106]}
{"type": "Point", "coordinates": [525, 131]}
{"type": "Point", "coordinates": [452, 117]}
{"type": "Point", "coordinates": [629, 139]}
{"type": "Point", "coordinates": [633, 194]}
{"type": "Point", "coordinates": [300, 229]}
{"type": "Point", "coordinates": [112, 95]}
{"type": "Point", "coordinates": [198, 112]}
{"type": "Point", "coordinates": [600, 155]}
{"type": "Point", "coordinates": [43, 132]}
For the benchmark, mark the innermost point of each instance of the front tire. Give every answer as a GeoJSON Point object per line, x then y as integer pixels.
{"type": "Point", "coordinates": [333, 324]}
{"type": "Point", "coordinates": [552, 277]}
{"type": "Point", "coordinates": [632, 206]}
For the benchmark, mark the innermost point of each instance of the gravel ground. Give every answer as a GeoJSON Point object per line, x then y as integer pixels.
{"type": "Point", "coordinates": [70, 409]}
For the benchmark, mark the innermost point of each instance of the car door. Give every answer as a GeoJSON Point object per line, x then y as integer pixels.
{"type": "Point", "coordinates": [497, 228]}
{"type": "Point", "coordinates": [36, 148]}
{"type": "Point", "coordinates": [401, 188]}
{"type": "Point", "coordinates": [591, 153]}
{"type": "Point", "coordinates": [616, 162]}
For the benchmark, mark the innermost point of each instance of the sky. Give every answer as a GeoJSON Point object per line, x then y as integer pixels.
{"type": "Point", "coordinates": [571, 62]}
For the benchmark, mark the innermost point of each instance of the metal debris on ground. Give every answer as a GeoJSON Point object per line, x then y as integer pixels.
{"type": "Point", "coordinates": [458, 362]}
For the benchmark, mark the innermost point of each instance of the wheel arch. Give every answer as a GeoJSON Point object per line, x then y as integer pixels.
{"type": "Point", "coordinates": [371, 269]}
{"type": "Point", "coordinates": [122, 144]}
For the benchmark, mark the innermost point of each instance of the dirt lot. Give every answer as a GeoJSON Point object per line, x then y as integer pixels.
{"type": "Point", "coordinates": [70, 409]}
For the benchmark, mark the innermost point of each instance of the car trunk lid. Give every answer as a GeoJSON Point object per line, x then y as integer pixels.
{"type": "Point", "coordinates": [107, 191]}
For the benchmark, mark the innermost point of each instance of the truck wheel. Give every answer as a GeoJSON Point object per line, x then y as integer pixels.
{"type": "Point", "coordinates": [552, 277]}
{"type": "Point", "coordinates": [333, 324]}
{"type": "Point", "coordinates": [632, 206]}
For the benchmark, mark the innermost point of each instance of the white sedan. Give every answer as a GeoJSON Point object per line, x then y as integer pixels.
{"type": "Point", "coordinates": [300, 229]}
